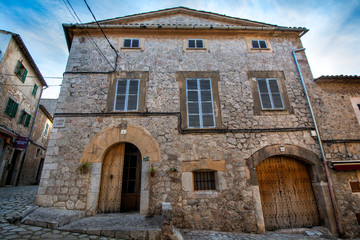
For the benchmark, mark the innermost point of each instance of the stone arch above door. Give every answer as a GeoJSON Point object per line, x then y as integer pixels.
{"type": "Point", "coordinates": [299, 153]}
{"type": "Point", "coordinates": [96, 150]}
{"type": "Point", "coordinates": [139, 136]}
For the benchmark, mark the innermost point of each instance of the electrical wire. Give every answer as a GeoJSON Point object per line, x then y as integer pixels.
{"type": "Point", "coordinates": [77, 19]}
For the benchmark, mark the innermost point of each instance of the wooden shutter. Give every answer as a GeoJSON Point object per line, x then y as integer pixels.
{"type": "Point", "coordinates": [269, 93]}
{"type": "Point", "coordinates": [254, 44]}
{"type": "Point", "coordinates": [127, 95]}
{"type": "Point", "coordinates": [8, 107]}
{"type": "Point", "coordinates": [262, 44]}
{"type": "Point", "coordinates": [275, 93]}
{"type": "Point", "coordinates": [27, 121]}
{"type": "Point", "coordinates": [199, 43]}
{"type": "Point", "coordinates": [135, 43]}
{"type": "Point", "coordinates": [34, 90]}
{"type": "Point", "coordinates": [200, 109]}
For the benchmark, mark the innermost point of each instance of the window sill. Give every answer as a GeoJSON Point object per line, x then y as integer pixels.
{"type": "Point", "coordinates": [131, 49]}
{"type": "Point", "coordinates": [205, 193]}
{"type": "Point", "coordinates": [195, 50]}
{"type": "Point", "coordinates": [283, 111]}
{"type": "Point", "coordinates": [260, 48]}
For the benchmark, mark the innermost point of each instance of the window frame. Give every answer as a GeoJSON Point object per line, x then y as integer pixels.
{"type": "Point", "coordinates": [20, 71]}
{"type": "Point", "coordinates": [258, 43]}
{"type": "Point", "coordinates": [131, 43]}
{"type": "Point", "coordinates": [195, 42]}
{"type": "Point", "coordinates": [200, 103]}
{"type": "Point", "coordinates": [127, 90]}
{"type": "Point", "coordinates": [46, 130]}
{"type": "Point", "coordinates": [270, 94]}
{"type": "Point", "coordinates": [205, 184]}
{"type": "Point", "coordinates": [11, 108]}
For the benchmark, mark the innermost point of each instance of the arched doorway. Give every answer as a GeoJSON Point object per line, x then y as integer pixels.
{"type": "Point", "coordinates": [120, 179]}
{"type": "Point", "coordinates": [287, 197]}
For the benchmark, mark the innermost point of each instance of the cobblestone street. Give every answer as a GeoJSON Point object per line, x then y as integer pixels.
{"type": "Point", "coordinates": [15, 200]}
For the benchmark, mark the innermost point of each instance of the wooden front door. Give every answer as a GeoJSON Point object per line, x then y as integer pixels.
{"type": "Point", "coordinates": [130, 195]}
{"type": "Point", "coordinates": [286, 193]}
{"type": "Point", "coordinates": [111, 180]}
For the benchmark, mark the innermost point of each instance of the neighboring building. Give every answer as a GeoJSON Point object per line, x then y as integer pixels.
{"type": "Point", "coordinates": [336, 103]}
{"type": "Point", "coordinates": [21, 85]}
{"type": "Point", "coordinates": [213, 104]}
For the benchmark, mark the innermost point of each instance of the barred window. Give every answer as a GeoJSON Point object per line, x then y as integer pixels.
{"type": "Point", "coordinates": [204, 180]}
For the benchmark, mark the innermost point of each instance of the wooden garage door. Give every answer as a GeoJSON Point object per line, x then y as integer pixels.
{"type": "Point", "coordinates": [111, 180]}
{"type": "Point", "coordinates": [286, 194]}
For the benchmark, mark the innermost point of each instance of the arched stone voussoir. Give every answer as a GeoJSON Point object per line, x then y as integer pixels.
{"type": "Point", "coordinates": [103, 141]}
{"type": "Point", "coordinates": [310, 158]}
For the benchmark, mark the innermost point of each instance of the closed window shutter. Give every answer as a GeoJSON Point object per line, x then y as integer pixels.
{"type": "Point", "coordinates": [269, 93]}
{"type": "Point", "coordinates": [262, 44]}
{"type": "Point", "coordinates": [135, 43]}
{"type": "Point", "coordinates": [34, 90]}
{"type": "Point", "coordinates": [46, 129]}
{"type": "Point", "coordinates": [8, 107]}
{"type": "Point", "coordinates": [191, 43]}
{"type": "Point", "coordinates": [199, 43]}
{"type": "Point", "coordinates": [264, 94]}
{"type": "Point", "coordinates": [127, 42]}
{"type": "Point", "coordinates": [275, 93]}
{"type": "Point", "coordinates": [127, 95]}
{"type": "Point", "coordinates": [200, 109]}
{"type": "Point", "coordinates": [27, 121]}
{"type": "Point", "coordinates": [255, 43]}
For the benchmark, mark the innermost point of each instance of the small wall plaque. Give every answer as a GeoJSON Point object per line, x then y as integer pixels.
{"type": "Point", "coordinates": [145, 159]}
{"type": "Point", "coordinates": [59, 123]}
{"type": "Point", "coordinates": [123, 131]}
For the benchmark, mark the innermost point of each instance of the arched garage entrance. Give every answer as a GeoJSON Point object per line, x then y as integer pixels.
{"type": "Point", "coordinates": [287, 197]}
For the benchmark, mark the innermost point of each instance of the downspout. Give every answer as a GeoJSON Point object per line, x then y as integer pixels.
{"type": "Point", "coordinates": [27, 144]}
{"type": "Point", "coordinates": [330, 184]}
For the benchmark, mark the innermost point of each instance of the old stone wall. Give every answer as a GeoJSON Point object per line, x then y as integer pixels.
{"type": "Point", "coordinates": [337, 120]}
{"type": "Point", "coordinates": [234, 207]}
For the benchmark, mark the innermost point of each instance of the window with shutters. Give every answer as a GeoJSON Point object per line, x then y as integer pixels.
{"type": "Point", "coordinates": [127, 92]}
{"type": "Point", "coordinates": [204, 180]}
{"type": "Point", "coordinates": [34, 90]}
{"type": "Point", "coordinates": [24, 118]}
{"type": "Point", "coordinates": [355, 102]}
{"type": "Point", "coordinates": [258, 44]}
{"type": "Point", "coordinates": [355, 186]}
{"type": "Point", "coordinates": [21, 71]}
{"type": "Point", "coordinates": [131, 43]}
{"type": "Point", "coordinates": [199, 102]}
{"type": "Point", "coordinates": [269, 93]}
{"type": "Point", "coordinates": [127, 95]}
{"type": "Point", "coordinates": [11, 108]}
{"type": "Point", "coordinates": [195, 43]}
{"type": "Point", "coordinates": [199, 99]}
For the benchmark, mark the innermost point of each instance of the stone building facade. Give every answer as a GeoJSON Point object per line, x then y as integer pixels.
{"type": "Point", "coordinates": [336, 103]}
{"type": "Point", "coordinates": [193, 108]}
{"type": "Point", "coordinates": [21, 85]}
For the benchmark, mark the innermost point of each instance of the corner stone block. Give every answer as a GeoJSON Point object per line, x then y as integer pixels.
{"type": "Point", "coordinates": [187, 183]}
{"type": "Point", "coordinates": [44, 200]}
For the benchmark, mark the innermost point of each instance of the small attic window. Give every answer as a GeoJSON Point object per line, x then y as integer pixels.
{"type": "Point", "coordinates": [259, 44]}
{"type": "Point", "coordinates": [195, 43]}
{"type": "Point", "coordinates": [131, 43]}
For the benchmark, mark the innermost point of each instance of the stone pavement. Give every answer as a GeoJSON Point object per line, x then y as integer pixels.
{"type": "Point", "coordinates": [15, 200]}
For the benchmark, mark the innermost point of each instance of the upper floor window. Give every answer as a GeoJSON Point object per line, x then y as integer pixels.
{"type": "Point", "coordinates": [24, 118]}
{"type": "Point", "coordinates": [258, 44]}
{"type": "Point", "coordinates": [204, 180]}
{"type": "Point", "coordinates": [131, 43]}
{"type": "Point", "coordinates": [34, 90]}
{"type": "Point", "coordinates": [196, 43]}
{"type": "Point", "coordinates": [46, 130]}
{"type": "Point", "coordinates": [269, 93]}
{"type": "Point", "coordinates": [199, 102]}
{"type": "Point", "coordinates": [11, 108]}
{"type": "Point", "coordinates": [127, 95]}
{"type": "Point", "coordinates": [21, 71]}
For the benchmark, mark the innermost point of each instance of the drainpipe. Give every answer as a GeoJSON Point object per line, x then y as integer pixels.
{"type": "Point", "coordinates": [27, 144]}
{"type": "Point", "coordinates": [330, 184]}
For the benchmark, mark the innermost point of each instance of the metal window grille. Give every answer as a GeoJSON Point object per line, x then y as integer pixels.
{"type": "Point", "coordinates": [204, 180]}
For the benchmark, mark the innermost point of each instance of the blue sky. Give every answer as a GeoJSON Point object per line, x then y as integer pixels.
{"type": "Point", "coordinates": [332, 44]}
